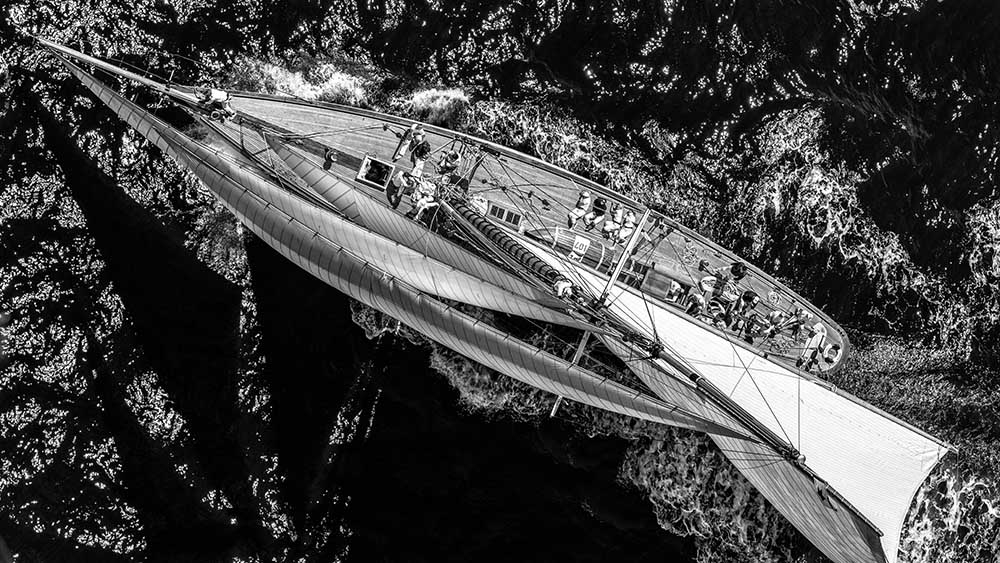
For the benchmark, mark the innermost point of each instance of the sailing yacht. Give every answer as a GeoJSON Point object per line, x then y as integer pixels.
{"type": "Point", "coordinates": [558, 282]}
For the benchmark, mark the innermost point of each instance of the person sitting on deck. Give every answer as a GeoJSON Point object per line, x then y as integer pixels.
{"type": "Point", "coordinates": [674, 292]}
{"type": "Point", "coordinates": [402, 183]}
{"type": "Point", "coordinates": [420, 151]}
{"type": "Point", "coordinates": [627, 227]}
{"type": "Point", "coordinates": [596, 214]}
{"type": "Point", "coordinates": [775, 320]}
{"type": "Point", "coordinates": [796, 322]}
{"type": "Point", "coordinates": [449, 162]}
{"type": "Point", "coordinates": [614, 223]}
{"type": "Point", "coordinates": [424, 198]}
{"type": "Point", "coordinates": [217, 100]}
{"type": "Point", "coordinates": [694, 305]}
{"type": "Point", "coordinates": [580, 211]}
{"type": "Point", "coordinates": [745, 304]}
{"type": "Point", "coordinates": [735, 271]}
{"type": "Point", "coordinates": [563, 288]}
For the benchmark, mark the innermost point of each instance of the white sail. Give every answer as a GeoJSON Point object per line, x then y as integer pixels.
{"type": "Point", "coordinates": [870, 458]}
{"type": "Point", "coordinates": [385, 221]}
{"type": "Point", "coordinates": [872, 462]}
{"type": "Point", "coordinates": [425, 273]}
{"type": "Point", "coordinates": [347, 272]}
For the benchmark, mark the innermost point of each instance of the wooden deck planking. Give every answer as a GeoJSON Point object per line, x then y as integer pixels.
{"type": "Point", "coordinates": [354, 135]}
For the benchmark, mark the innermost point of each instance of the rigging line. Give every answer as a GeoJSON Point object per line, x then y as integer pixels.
{"type": "Point", "coordinates": [145, 72]}
{"type": "Point", "coordinates": [322, 133]}
{"type": "Point", "coordinates": [569, 272]}
{"type": "Point", "coordinates": [768, 464]}
{"type": "Point", "coordinates": [529, 183]}
{"type": "Point", "coordinates": [717, 409]}
{"type": "Point", "coordinates": [759, 370]}
{"type": "Point", "coordinates": [762, 455]}
{"type": "Point", "coordinates": [307, 197]}
{"type": "Point", "coordinates": [746, 368]}
{"type": "Point", "coordinates": [570, 269]}
{"type": "Point", "coordinates": [645, 260]}
{"type": "Point", "coordinates": [642, 294]}
{"type": "Point", "coordinates": [750, 457]}
{"type": "Point", "coordinates": [271, 170]}
{"type": "Point", "coordinates": [592, 360]}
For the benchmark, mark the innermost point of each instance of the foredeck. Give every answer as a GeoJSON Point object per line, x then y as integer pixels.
{"type": "Point", "coordinates": [670, 265]}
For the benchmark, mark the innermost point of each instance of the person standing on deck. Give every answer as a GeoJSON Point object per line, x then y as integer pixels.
{"type": "Point", "coordinates": [420, 151]}
{"type": "Point", "coordinates": [596, 214]}
{"type": "Point", "coordinates": [580, 211]}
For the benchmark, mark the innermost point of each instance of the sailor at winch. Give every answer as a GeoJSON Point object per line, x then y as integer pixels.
{"type": "Point", "coordinates": [450, 161]}
{"type": "Point", "coordinates": [424, 197]}
{"type": "Point", "coordinates": [580, 211]}
{"type": "Point", "coordinates": [563, 288]}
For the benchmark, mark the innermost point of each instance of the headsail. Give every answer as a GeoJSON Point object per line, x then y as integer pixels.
{"type": "Point", "coordinates": [861, 456]}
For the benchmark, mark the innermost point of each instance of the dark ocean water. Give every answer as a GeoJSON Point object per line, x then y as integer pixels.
{"type": "Point", "coordinates": [434, 483]}
{"type": "Point", "coordinates": [430, 480]}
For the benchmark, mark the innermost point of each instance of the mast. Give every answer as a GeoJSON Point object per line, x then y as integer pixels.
{"type": "Point", "coordinates": [626, 254]}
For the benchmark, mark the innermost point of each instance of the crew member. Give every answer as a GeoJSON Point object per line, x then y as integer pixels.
{"type": "Point", "coordinates": [627, 228]}
{"type": "Point", "coordinates": [813, 348]}
{"type": "Point", "coordinates": [596, 214]}
{"type": "Point", "coordinates": [424, 198]}
{"type": "Point", "coordinates": [612, 225]}
{"type": "Point", "coordinates": [450, 162]}
{"type": "Point", "coordinates": [580, 211]}
{"type": "Point", "coordinates": [420, 151]}
{"type": "Point", "coordinates": [219, 100]}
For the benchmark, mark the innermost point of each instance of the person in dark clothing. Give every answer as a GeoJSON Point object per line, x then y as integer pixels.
{"type": "Point", "coordinates": [420, 151]}
{"type": "Point", "coordinates": [596, 214]}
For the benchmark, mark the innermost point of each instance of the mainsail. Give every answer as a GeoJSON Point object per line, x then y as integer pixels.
{"type": "Point", "coordinates": [849, 492]}
{"type": "Point", "coordinates": [385, 221]}
{"type": "Point", "coordinates": [353, 275]}
{"type": "Point", "coordinates": [426, 274]}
